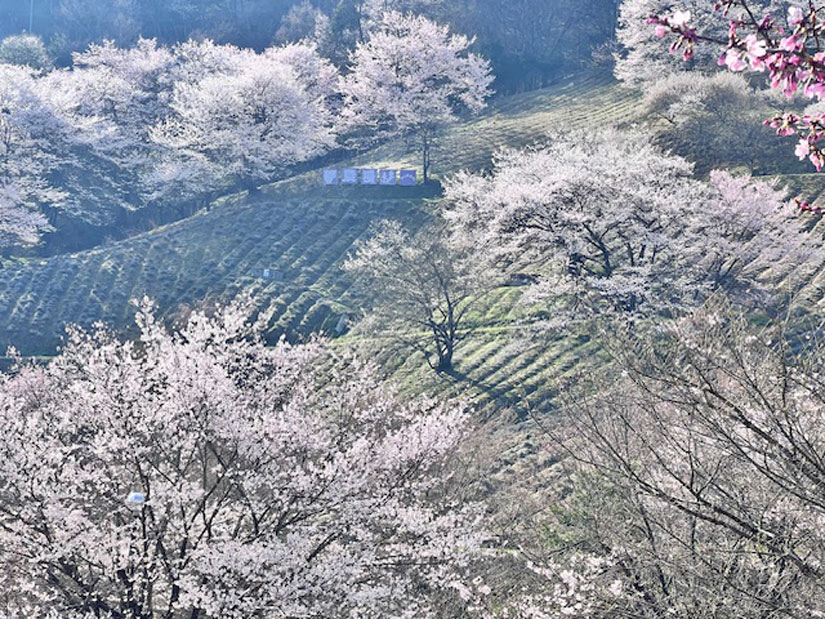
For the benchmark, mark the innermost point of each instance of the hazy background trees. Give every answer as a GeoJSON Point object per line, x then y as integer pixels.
{"type": "Point", "coordinates": [25, 50]}
{"type": "Point", "coordinates": [717, 120]}
{"type": "Point", "coordinates": [528, 42]}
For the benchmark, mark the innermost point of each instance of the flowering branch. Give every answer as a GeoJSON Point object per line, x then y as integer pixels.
{"type": "Point", "coordinates": [792, 56]}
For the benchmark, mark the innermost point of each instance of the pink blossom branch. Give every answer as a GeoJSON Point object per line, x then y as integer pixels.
{"type": "Point", "coordinates": [793, 59]}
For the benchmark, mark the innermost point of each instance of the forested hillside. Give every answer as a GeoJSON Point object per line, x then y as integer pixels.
{"type": "Point", "coordinates": [299, 228]}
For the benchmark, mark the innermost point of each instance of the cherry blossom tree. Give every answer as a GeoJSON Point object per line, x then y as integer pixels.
{"type": "Point", "coordinates": [612, 223]}
{"type": "Point", "coordinates": [109, 100]}
{"type": "Point", "coordinates": [105, 160]}
{"type": "Point", "coordinates": [124, 128]}
{"type": "Point", "coordinates": [20, 224]}
{"type": "Point", "coordinates": [25, 50]}
{"type": "Point", "coordinates": [27, 124]}
{"type": "Point", "coordinates": [314, 72]}
{"type": "Point", "coordinates": [420, 288]}
{"type": "Point", "coordinates": [117, 97]}
{"type": "Point", "coordinates": [127, 109]}
{"type": "Point", "coordinates": [253, 121]}
{"type": "Point", "coordinates": [202, 474]}
{"type": "Point", "coordinates": [699, 468]}
{"type": "Point", "coordinates": [410, 78]}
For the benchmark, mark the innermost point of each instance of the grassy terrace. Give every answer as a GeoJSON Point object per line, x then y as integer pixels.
{"type": "Point", "coordinates": [296, 227]}
{"type": "Point", "coordinates": [216, 254]}
{"type": "Point", "coordinates": [303, 231]}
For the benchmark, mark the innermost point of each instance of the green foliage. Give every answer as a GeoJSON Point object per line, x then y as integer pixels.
{"type": "Point", "coordinates": [528, 42]}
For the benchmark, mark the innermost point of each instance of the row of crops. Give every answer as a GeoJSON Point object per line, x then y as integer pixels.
{"type": "Point", "coordinates": [211, 255]}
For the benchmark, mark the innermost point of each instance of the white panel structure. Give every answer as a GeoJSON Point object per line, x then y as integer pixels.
{"type": "Point", "coordinates": [331, 176]}
{"type": "Point", "coordinates": [408, 178]}
{"type": "Point", "coordinates": [388, 177]}
{"type": "Point", "coordinates": [369, 176]}
{"type": "Point", "coordinates": [349, 176]}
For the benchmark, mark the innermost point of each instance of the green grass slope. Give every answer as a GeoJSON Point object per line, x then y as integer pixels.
{"type": "Point", "coordinates": [211, 255]}
{"type": "Point", "coordinates": [297, 228]}
{"type": "Point", "coordinates": [302, 231]}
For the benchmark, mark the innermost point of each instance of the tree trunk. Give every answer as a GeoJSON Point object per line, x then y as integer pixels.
{"type": "Point", "coordinates": [425, 152]}
{"type": "Point", "coordinates": [445, 357]}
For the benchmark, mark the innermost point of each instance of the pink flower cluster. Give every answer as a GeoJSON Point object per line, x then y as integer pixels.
{"type": "Point", "coordinates": [791, 57]}
{"type": "Point", "coordinates": [806, 207]}
{"type": "Point", "coordinates": [677, 23]}
{"type": "Point", "coordinates": [811, 130]}
{"type": "Point", "coordinates": [792, 61]}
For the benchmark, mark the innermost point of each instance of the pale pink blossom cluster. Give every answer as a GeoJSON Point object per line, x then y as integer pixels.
{"type": "Point", "coordinates": [148, 124]}
{"type": "Point", "coordinates": [578, 586]}
{"type": "Point", "coordinates": [592, 212]}
{"type": "Point", "coordinates": [678, 22]}
{"type": "Point", "coordinates": [203, 474]}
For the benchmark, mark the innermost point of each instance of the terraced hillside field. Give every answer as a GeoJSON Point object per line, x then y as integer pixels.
{"type": "Point", "coordinates": [301, 232]}
{"type": "Point", "coordinates": [590, 101]}
{"type": "Point", "coordinates": [216, 254]}
{"type": "Point", "coordinates": [297, 230]}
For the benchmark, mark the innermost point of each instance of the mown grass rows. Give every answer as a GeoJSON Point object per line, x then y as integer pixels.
{"type": "Point", "coordinates": [591, 101]}
{"type": "Point", "coordinates": [215, 254]}
{"type": "Point", "coordinates": [305, 232]}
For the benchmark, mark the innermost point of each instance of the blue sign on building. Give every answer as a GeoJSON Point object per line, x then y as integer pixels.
{"type": "Point", "coordinates": [408, 178]}
{"type": "Point", "coordinates": [369, 176]}
{"type": "Point", "coordinates": [388, 177]}
{"type": "Point", "coordinates": [331, 176]}
{"type": "Point", "coordinates": [349, 176]}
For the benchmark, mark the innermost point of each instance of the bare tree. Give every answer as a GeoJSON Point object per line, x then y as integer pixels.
{"type": "Point", "coordinates": [702, 457]}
